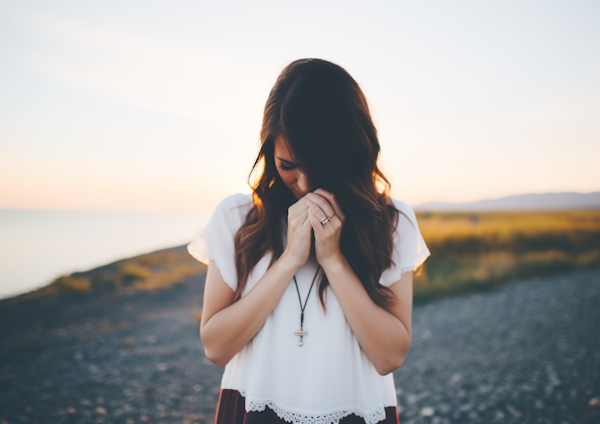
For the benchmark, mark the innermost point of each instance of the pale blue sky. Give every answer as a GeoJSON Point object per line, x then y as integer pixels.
{"type": "Point", "coordinates": [157, 105]}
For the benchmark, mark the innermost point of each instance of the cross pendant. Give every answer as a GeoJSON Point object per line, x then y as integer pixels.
{"type": "Point", "coordinates": [301, 334]}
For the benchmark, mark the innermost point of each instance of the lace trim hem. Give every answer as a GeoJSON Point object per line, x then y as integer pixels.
{"type": "Point", "coordinates": [334, 417]}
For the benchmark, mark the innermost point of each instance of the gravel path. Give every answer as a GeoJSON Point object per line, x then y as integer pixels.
{"type": "Point", "coordinates": [526, 353]}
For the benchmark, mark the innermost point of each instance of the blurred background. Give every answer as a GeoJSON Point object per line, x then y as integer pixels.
{"type": "Point", "coordinates": [123, 124]}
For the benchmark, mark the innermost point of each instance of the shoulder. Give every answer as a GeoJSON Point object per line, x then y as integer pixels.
{"type": "Point", "coordinates": [410, 249]}
{"type": "Point", "coordinates": [237, 201]}
{"type": "Point", "coordinates": [234, 208]}
{"type": "Point", "coordinates": [407, 214]}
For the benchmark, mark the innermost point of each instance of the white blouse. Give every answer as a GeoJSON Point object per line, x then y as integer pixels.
{"type": "Point", "coordinates": [329, 376]}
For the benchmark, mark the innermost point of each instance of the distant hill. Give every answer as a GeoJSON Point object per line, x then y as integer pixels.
{"type": "Point", "coordinates": [543, 201]}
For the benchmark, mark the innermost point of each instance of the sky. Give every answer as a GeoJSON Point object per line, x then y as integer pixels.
{"type": "Point", "coordinates": [156, 105]}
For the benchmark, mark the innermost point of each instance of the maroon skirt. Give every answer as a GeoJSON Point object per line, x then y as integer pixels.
{"type": "Point", "coordinates": [232, 410]}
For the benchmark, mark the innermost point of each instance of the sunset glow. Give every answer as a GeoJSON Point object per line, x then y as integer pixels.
{"type": "Point", "coordinates": [104, 109]}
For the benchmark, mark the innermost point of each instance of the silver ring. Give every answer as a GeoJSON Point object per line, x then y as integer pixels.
{"type": "Point", "coordinates": [327, 218]}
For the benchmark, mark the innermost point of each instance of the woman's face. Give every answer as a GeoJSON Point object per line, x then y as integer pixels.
{"type": "Point", "coordinates": [289, 172]}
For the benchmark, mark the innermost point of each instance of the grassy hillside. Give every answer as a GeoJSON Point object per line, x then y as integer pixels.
{"type": "Point", "coordinates": [151, 271]}
{"type": "Point", "coordinates": [477, 251]}
{"type": "Point", "coordinates": [469, 252]}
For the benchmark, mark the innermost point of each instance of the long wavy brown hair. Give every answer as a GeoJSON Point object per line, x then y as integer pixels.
{"type": "Point", "coordinates": [323, 116]}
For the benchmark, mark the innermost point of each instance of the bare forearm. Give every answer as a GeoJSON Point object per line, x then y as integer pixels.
{"type": "Point", "coordinates": [381, 335]}
{"type": "Point", "coordinates": [228, 331]}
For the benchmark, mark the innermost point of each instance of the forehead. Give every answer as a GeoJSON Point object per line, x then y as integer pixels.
{"type": "Point", "coordinates": [281, 149]}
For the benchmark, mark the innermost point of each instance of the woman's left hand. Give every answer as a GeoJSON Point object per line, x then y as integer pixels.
{"type": "Point", "coordinates": [322, 203]}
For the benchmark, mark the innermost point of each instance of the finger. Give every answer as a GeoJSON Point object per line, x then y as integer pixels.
{"type": "Point", "coordinates": [301, 218]}
{"type": "Point", "coordinates": [333, 201]}
{"type": "Point", "coordinates": [299, 202]}
{"type": "Point", "coordinates": [316, 210]}
{"type": "Point", "coordinates": [316, 224]}
{"type": "Point", "coordinates": [323, 203]}
{"type": "Point", "coordinates": [297, 208]}
{"type": "Point", "coordinates": [307, 223]}
{"type": "Point", "coordinates": [330, 197]}
{"type": "Point", "coordinates": [296, 205]}
{"type": "Point", "coordinates": [335, 222]}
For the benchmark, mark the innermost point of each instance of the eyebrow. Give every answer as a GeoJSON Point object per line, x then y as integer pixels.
{"type": "Point", "coordinates": [285, 160]}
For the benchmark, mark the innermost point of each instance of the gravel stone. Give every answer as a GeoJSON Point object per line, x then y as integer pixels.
{"type": "Point", "coordinates": [528, 352]}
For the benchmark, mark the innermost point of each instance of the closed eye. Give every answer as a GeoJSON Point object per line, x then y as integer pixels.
{"type": "Point", "coordinates": [283, 162]}
{"type": "Point", "coordinates": [285, 168]}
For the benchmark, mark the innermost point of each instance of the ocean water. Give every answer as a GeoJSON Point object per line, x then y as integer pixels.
{"type": "Point", "coordinates": [38, 246]}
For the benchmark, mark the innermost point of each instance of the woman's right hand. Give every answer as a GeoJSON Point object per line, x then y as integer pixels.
{"type": "Point", "coordinates": [299, 234]}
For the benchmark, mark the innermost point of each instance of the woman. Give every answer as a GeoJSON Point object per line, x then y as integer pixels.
{"type": "Point", "coordinates": [308, 295]}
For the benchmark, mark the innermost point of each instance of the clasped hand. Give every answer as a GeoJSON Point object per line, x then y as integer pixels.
{"type": "Point", "coordinates": [315, 207]}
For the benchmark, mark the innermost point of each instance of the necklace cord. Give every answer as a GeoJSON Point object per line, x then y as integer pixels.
{"type": "Point", "coordinates": [306, 301]}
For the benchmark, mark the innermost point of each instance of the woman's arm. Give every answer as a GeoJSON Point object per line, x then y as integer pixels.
{"type": "Point", "coordinates": [225, 328]}
{"type": "Point", "coordinates": [384, 337]}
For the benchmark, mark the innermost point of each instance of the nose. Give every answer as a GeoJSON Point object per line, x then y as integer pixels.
{"type": "Point", "coordinates": [303, 183]}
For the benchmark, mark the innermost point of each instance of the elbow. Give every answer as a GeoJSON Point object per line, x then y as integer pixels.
{"type": "Point", "coordinates": [212, 353]}
{"type": "Point", "coordinates": [385, 369]}
{"type": "Point", "coordinates": [218, 360]}
{"type": "Point", "coordinates": [215, 356]}
{"type": "Point", "coordinates": [391, 364]}
{"type": "Point", "coordinates": [394, 360]}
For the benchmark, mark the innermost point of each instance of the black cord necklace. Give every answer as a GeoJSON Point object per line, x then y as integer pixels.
{"type": "Point", "coordinates": [303, 333]}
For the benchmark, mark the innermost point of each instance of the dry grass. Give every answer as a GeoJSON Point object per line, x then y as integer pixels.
{"type": "Point", "coordinates": [151, 271]}
{"type": "Point", "coordinates": [472, 251]}
{"type": "Point", "coordinates": [469, 252]}
{"type": "Point", "coordinates": [157, 270]}
{"type": "Point", "coordinates": [503, 226]}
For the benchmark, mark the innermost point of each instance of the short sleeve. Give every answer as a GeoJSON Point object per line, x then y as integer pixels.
{"type": "Point", "coordinates": [216, 241]}
{"type": "Point", "coordinates": [410, 250]}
